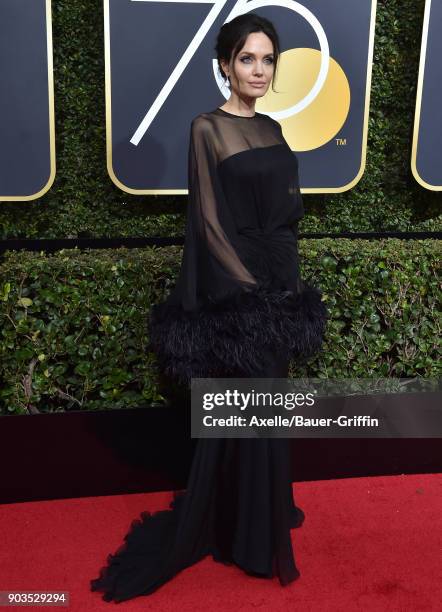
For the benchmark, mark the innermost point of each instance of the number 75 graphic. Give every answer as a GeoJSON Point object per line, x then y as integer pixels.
{"type": "Point", "coordinates": [242, 6]}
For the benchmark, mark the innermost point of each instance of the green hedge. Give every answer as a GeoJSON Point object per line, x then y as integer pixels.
{"type": "Point", "coordinates": [73, 324]}
{"type": "Point", "coordinates": [84, 202]}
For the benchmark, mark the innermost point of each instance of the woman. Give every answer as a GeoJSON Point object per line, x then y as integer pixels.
{"type": "Point", "coordinates": [239, 309]}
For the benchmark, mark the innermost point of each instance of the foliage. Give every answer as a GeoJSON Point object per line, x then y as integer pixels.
{"type": "Point", "coordinates": [74, 334]}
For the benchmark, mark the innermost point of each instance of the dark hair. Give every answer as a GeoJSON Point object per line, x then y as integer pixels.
{"type": "Point", "coordinates": [233, 35]}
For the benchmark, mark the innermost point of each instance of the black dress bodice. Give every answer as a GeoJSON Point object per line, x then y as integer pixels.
{"type": "Point", "coordinates": [261, 188]}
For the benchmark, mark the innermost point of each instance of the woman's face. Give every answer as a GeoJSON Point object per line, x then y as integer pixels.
{"type": "Point", "coordinates": [253, 67]}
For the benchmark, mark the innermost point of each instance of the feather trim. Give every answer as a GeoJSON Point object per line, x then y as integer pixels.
{"type": "Point", "coordinates": [229, 336]}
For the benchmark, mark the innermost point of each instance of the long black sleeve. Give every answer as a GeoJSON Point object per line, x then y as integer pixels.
{"type": "Point", "coordinates": [211, 268]}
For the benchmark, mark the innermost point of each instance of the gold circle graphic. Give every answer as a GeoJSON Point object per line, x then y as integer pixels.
{"type": "Point", "coordinates": [319, 122]}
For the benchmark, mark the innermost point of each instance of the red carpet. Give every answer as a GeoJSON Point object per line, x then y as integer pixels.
{"type": "Point", "coordinates": [366, 544]}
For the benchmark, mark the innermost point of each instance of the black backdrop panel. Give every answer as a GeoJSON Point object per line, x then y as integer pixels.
{"type": "Point", "coordinates": [27, 164]}
{"type": "Point", "coordinates": [427, 149]}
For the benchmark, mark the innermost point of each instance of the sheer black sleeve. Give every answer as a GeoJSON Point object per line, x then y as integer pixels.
{"type": "Point", "coordinates": [211, 268]}
{"type": "Point", "coordinates": [294, 187]}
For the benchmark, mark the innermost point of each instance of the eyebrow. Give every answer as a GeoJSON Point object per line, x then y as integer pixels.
{"type": "Point", "coordinates": [250, 53]}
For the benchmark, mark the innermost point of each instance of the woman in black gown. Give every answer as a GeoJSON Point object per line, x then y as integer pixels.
{"type": "Point", "coordinates": [239, 309]}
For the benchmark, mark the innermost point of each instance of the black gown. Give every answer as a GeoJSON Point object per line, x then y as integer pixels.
{"type": "Point", "coordinates": [239, 308]}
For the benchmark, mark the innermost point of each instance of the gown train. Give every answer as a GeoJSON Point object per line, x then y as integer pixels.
{"type": "Point", "coordinates": [238, 506]}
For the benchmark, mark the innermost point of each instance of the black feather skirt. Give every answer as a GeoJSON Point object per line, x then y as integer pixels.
{"type": "Point", "coordinates": [235, 333]}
